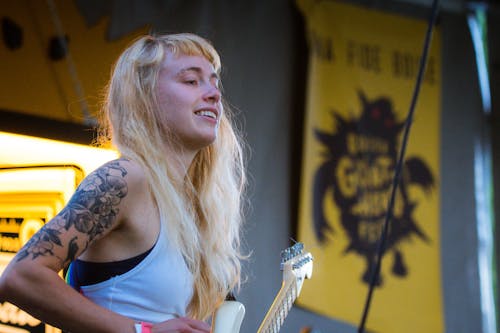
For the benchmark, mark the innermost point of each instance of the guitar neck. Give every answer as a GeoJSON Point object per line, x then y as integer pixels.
{"type": "Point", "coordinates": [279, 309]}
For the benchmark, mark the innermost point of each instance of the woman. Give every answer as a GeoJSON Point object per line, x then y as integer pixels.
{"type": "Point", "coordinates": [152, 237]}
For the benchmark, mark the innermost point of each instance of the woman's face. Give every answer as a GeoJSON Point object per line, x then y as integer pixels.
{"type": "Point", "coordinates": [189, 99]}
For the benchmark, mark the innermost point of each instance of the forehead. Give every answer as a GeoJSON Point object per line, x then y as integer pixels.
{"type": "Point", "coordinates": [174, 64]}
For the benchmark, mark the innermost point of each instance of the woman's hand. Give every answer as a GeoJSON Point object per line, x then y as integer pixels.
{"type": "Point", "coordinates": [181, 325]}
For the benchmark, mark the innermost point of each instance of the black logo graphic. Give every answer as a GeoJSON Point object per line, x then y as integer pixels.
{"type": "Point", "coordinates": [357, 174]}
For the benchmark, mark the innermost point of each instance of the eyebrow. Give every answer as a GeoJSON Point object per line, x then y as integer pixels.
{"type": "Point", "coordinates": [198, 70]}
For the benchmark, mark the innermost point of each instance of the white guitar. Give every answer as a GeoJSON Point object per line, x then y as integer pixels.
{"type": "Point", "coordinates": [296, 266]}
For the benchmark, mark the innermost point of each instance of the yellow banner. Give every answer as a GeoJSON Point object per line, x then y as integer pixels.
{"type": "Point", "coordinates": [362, 71]}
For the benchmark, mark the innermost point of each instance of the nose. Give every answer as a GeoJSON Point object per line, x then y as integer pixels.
{"type": "Point", "coordinates": [212, 94]}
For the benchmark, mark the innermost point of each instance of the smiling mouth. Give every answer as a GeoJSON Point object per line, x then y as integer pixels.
{"type": "Point", "coordinates": [207, 113]}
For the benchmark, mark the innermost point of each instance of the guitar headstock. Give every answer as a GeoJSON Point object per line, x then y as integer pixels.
{"type": "Point", "coordinates": [296, 264]}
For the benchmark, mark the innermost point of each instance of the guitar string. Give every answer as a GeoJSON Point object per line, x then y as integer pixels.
{"type": "Point", "coordinates": [278, 317]}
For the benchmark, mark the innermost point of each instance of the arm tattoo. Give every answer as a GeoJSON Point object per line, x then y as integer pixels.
{"type": "Point", "coordinates": [92, 209]}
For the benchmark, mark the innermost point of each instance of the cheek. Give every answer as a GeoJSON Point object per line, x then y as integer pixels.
{"type": "Point", "coordinates": [163, 96]}
{"type": "Point", "coordinates": [168, 104]}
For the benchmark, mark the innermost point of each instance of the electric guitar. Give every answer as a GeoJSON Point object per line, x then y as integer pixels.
{"type": "Point", "coordinates": [296, 266]}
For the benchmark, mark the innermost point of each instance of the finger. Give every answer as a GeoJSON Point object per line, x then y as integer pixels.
{"type": "Point", "coordinates": [186, 328]}
{"type": "Point", "coordinates": [197, 324]}
{"type": "Point", "coordinates": [203, 330]}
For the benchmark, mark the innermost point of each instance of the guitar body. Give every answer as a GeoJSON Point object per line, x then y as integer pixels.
{"type": "Point", "coordinates": [228, 317]}
{"type": "Point", "coordinates": [296, 266]}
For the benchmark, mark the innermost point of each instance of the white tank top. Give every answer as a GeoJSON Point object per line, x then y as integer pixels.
{"type": "Point", "coordinates": [157, 289]}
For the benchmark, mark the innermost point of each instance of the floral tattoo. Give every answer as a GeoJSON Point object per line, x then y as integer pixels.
{"type": "Point", "coordinates": [92, 210]}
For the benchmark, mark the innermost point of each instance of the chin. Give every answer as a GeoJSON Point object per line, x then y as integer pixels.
{"type": "Point", "coordinates": [210, 138]}
{"type": "Point", "coordinates": [202, 143]}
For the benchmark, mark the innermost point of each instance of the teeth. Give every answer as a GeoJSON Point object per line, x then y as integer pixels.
{"type": "Point", "coordinates": [207, 113]}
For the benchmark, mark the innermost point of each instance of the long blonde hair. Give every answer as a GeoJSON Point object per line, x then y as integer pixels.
{"type": "Point", "coordinates": [203, 215]}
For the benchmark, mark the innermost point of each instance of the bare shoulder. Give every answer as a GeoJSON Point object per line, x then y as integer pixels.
{"type": "Point", "coordinates": [134, 173]}
{"type": "Point", "coordinates": [120, 177]}
{"type": "Point", "coordinates": [117, 187]}
{"type": "Point", "coordinates": [120, 168]}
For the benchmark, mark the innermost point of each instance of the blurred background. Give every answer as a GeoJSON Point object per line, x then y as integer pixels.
{"type": "Point", "coordinates": [302, 76]}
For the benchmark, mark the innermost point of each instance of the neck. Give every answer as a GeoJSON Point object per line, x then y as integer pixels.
{"type": "Point", "coordinates": [181, 161]}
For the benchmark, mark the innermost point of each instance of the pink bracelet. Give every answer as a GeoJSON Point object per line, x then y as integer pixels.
{"type": "Point", "coordinates": [146, 327]}
{"type": "Point", "coordinates": [143, 327]}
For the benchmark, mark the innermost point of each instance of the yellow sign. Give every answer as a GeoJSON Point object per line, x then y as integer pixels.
{"type": "Point", "coordinates": [362, 70]}
{"type": "Point", "coordinates": [29, 198]}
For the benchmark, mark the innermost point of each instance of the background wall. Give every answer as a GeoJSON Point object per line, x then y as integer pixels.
{"type": "Point", "coordinates": [264, 55]}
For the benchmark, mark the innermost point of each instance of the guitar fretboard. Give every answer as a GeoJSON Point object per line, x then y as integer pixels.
{"type": "Point", "coordinates": [276, 315]}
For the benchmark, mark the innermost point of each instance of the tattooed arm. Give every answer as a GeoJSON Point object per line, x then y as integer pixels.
{"type": "Point", "coordinates": [31, 280]}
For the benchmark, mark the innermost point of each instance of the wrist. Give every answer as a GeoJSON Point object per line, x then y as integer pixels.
{"type": "Point", "coordinates": [142, 327]}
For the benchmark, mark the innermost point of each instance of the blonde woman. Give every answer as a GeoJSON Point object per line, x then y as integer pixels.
{"type": "Point", "coordinates": [151, 239]}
